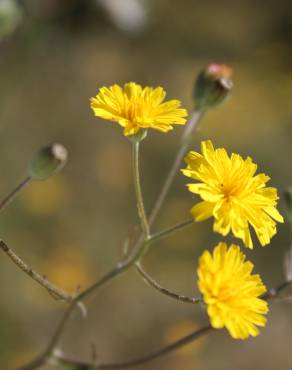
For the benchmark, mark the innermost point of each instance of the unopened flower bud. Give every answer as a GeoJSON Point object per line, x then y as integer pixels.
{"type": "Point", "coordinates": [288, 200]}
{"type": "Point", "coordinates": [48, 161]}
{"type": "Point", "coordinates": [212, 86]}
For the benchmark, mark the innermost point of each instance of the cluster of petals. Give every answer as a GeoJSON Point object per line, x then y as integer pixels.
{"type": "Point", "coordinates": [135, 108]}
{"type": "Point", "coordinates": [232, 194]}
{"type": "Point", "coordinates": [231, 292]}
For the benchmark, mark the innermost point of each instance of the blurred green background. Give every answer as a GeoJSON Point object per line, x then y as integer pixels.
{"type": "Point", "coordinates": [54, 55]}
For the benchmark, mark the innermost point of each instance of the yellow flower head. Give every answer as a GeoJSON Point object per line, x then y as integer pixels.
{"type": "Point", "coordinates": [231, 292]}
{"type": "Point", "coordinates": [135, 108]}
{"type": "Point", "coordinates": [232, 194]}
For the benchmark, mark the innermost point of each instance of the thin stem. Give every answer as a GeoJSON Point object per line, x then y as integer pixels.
{"type": "Point", "coordinates": [167, 232]}
{"type": "Point", "coordinates": [134, 256]}
{"type": "Point", "coordinates": [189, 129]}
{"type": "Point", "coordinates": [143, 240]}
{"type": "Point", "coordinates": [42, 359]}
{"type": "Point", "coordinates": [274, 292]}
{"type": "Point", "coordinates": [56, 292]}
{"type": "Point", "coordinates": [117, 270]}
{"type": "Point", "coordinates": [139, 360]}
{"type": "Point", "coordinates": [163, 290]}
{"type": "Point", "coordinates": [14, 192]}
{"type": "Point", "coordinates": [139, 197]}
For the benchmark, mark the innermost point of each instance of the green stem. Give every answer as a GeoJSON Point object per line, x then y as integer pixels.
{"type": "Point", "coordinates": [190, 127]}
{"type": "Point", "coordinates": [138, 191]}
{"type": "Point", "coordinates": [163, 233]}
{"type": "Point", "coordinates": [141, 245]}
{"type": "Point", "coordinates": [5, 201]}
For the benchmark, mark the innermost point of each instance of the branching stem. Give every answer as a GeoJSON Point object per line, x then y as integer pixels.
{"type": "Point", "coordinates": [140, 246]}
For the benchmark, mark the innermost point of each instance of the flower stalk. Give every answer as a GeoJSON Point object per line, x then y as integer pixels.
{"type": "Point", "coordinates": [190, 128]}
{"type": "Point", "coordinates": [138, 190]}
{"type": "Point", "coordinates": [9, 197]}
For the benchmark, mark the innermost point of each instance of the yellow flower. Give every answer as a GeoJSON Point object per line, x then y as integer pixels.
{"type": "Point", "coordinates": [135, 108]}
{"type": "Point", "coordinates": [232, 194]}
{"type": "Point", "coordinates": [231, 292]}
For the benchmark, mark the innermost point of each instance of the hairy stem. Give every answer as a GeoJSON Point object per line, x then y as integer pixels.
{"type": "Point", "coordinates": [56, 292]}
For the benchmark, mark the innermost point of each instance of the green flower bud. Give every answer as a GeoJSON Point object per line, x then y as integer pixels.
{"type": "Point", "coordinates": [288, 200]}
{"type": "Point", "coordinates": [212, 86]}
{"type": "Point", "coordinates": [10, 17]}
{"type": "Point", "coordinates": [48, 161]}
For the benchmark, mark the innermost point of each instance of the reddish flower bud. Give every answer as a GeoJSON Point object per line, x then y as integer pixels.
{"type": "Point", "coordinates": [212, 86]}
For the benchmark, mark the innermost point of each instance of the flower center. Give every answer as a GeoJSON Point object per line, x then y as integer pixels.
{"type": "Point", "coordinates": [227, 191]}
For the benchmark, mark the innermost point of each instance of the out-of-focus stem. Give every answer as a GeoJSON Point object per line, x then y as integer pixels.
{"type": "Point", "coordinates": [139, 360]}
{"type": "Point", "coordinates": [42, 359]}
{"type": "Point", "coordinates": [274, 292]}
{"type": "Point", "coordinates": [5, 201]}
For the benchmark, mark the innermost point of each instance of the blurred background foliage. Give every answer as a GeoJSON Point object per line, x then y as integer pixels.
{"type": "Point", "coordinates": [54, 55]}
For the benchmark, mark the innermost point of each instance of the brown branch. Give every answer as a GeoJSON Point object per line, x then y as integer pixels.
{"type": "Point", "coordinates": [163, 290]}
{"type": "Point", "coordinates": [42, 359]}
{"type": "Point", "coordinates": [48, 352]}
{"type": "Point", "coordinates": [82, 365]}
{"type": "Point", "coordinates": [54, 291]}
